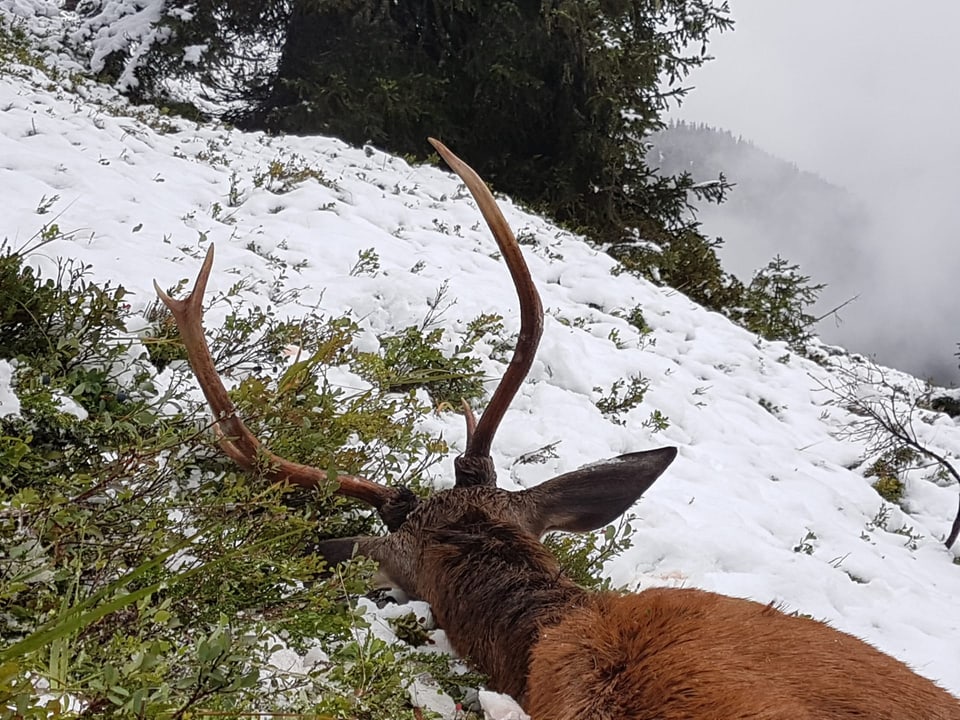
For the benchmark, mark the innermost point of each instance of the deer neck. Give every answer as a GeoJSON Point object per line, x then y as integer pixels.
{"type": "Point", "coordinates": [494, 592]}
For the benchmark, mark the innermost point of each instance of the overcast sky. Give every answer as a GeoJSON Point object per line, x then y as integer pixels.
{"type": "Point", "coordinates": [866, 93]}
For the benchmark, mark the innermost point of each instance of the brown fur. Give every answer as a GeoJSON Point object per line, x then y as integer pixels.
{"type": "Point", "coordinates": [493, 610]}
{"type": "Point", "coordinates": [662, 654]}
{"type": "Point", "coordinates": [684, 654]}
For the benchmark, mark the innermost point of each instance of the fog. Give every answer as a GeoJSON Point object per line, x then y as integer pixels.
{"type": "Point", "coordinates": [866, 94]}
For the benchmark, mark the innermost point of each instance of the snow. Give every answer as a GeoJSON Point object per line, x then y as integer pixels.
{"type": "Point", "coordinates": [9, 403]}
{"type": "Point", "coordinates": [760, 502]}
{"type": "Point", "coordinates": [500, 707]}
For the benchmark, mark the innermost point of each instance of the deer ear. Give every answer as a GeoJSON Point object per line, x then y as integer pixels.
{"type": "Point", "coordinates": [591, 497]}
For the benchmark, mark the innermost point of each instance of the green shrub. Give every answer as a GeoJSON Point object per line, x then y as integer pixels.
{"type": "Point", "coordinates": [890, 488]}
{"type": "Point", "coordinates": [140, 572]}
{"type": "Point", "coordinates": [888, 469]}
{"type": "Point", "coordinates": [583, 555]}
{"type": "Point", "coordinates": [283, 174]}
{"type": "Point", "coordinates": [414, 359]}
{"type": "Point", "coordinates": [16, 50]}
{"type": "Point", "coordinates": [688, 262]}
{"type": "Point", "coordinates": [43, 319]}
{"type": "Point", "coordinates": [624, 395]}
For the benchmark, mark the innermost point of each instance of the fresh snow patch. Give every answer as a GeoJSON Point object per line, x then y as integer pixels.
{"type": "Point", "coordinates": [500, 707]}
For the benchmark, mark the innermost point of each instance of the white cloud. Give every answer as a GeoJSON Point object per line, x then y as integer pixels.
{"type": "Point", "coordinates": [865, 94]}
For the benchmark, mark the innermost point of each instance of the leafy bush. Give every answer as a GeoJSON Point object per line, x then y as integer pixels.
{"type": "Point", "coordinates": [624, 395]}
{"type": "Point", "coordinates": [141, 573]}
{"type": "Point", "coordinates": [412, 359]}
{"type": "Point", "coordinates": [890, 488]}
{"type": "Point", "coordinates": [688, 262]}
{"type": "Point", "coordinates": [283, 174]}
{"type": "Point", "coordinates": [887, 470]}
{"type": "Point", "coordinates": [37, 321]}
{"type": "Point", "coordinates": [583, 555]}
{"type": "Point", "coordinates": [16, 50]}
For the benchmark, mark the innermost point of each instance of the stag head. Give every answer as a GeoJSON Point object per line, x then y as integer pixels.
{"type": "Point", "coordinates": [473, 532]}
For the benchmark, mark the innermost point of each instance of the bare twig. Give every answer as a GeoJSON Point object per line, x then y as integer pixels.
{"type": "Point", "coordinates": [837, 309]}
{"type": "Point", "coordinates": [887, 412]}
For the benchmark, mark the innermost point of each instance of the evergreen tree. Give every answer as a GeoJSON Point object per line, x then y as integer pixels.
{"type": "Point", "coordinates": [550, 101]}
{"type": "Point", "coordinates": [776, 303]}
{"type": "Point", "coordinates": [194, 56]}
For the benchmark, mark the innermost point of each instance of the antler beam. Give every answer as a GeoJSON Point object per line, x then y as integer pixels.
{"type": "Point", "coordinates": [475, 467]}
{"type": "Point", "coordinates": [235, 439]}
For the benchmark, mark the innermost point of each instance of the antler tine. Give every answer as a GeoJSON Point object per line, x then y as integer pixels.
{"type": "Point", "coordinates": [235, 439]}
{"type": "Point", "coordinates": [471, 420]}
{"type": "Point", "coordinates": [475, 467]}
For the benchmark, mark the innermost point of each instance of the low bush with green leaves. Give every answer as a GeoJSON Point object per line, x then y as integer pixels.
{"type": "Point", "coordinates": [17, 52]}
{"type": "Point", "coordinates": [686, 261]}
{"type": "Point", "coordinates": [774, 305]}
{"type": "Point", "coordinates": [141, 573]}
{"type": "Point", "coordinates": [283, 174]}
{"type": "Point", "coordinates": [624, 395]}
{"type": "Point", "coordinates": [415, 358]}
{"type": "Point", "coordinates": [888, 470]}
{"type": "Point", "coordinates": [583, 556]}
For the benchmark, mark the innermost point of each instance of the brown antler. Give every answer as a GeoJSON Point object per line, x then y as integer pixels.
{"type": "Point", "coordinates": [235, 438]}
{"type": "Point", "coordinates": [475, 467]}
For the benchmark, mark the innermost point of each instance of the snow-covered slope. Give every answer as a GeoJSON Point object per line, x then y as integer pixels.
{"type": "Point", "coordinates": [759, 503]}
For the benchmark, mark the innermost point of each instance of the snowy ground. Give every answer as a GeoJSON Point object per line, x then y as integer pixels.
{"type": "Point", "coordinates": [759, 503]}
